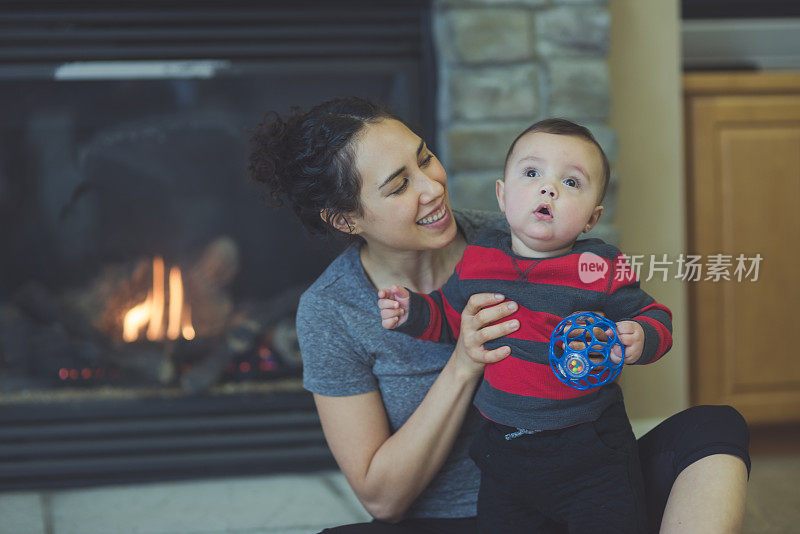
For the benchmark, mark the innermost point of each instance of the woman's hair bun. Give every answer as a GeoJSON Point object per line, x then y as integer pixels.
{"type": "Point", "coordinates": [307, 159]}
{"type": "Point", "coordinates": [267, 154]}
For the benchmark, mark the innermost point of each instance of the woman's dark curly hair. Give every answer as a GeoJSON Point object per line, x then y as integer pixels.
{"type": "Point", "coordinates": [307, 159]}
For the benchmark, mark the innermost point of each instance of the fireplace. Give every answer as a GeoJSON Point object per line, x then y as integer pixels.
{"type": "Point", "coordinates": [147, 298]}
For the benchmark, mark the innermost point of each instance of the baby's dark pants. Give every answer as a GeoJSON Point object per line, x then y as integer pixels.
{"type": "Point", "coordinates": [585, 478]}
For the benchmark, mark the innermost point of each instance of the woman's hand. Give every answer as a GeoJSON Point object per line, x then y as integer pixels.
{"type": "Point", "coordinates": [481, 311]}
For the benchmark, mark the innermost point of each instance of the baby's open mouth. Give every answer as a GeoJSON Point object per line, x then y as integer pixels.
{"type": "Point", "coordinates": [544, 211]}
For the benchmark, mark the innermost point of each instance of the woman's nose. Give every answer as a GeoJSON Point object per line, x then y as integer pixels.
{"type": "Point", "coordinates": [431, 190]}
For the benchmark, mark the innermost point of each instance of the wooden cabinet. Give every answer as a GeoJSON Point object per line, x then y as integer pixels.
{"type": "Point", "coordinates": [743, 192]}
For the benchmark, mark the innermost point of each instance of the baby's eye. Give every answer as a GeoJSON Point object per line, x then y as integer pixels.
{"type": "Point", "coordinates": [532, 173]}
{"type": "Point", "coordinates": [571, 182]}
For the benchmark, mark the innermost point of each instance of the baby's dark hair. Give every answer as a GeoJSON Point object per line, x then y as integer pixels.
{"type": "Point", "coordinates": [307, 159]}
{"type": "Point", "coordinates": [566, 127]}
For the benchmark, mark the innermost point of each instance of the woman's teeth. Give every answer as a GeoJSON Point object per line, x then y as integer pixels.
{"type": "Point", "coordinates": [433, 218]}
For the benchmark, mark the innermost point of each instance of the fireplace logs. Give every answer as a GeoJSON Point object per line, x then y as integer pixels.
{"type": "Point", "coordinates": [190, 332]}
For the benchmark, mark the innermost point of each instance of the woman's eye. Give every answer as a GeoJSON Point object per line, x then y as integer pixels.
{"type": "Point", "coordinates": [571, 182]}
{"type": "Point", "coordinates": [426, 161]}
{"type": "Point", "coordinates": [401, 188]}
{"type": "Point", "coordinates": [532, 173]}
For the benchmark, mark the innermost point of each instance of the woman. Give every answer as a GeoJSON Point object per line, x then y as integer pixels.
{"type": "Point", "coordinates": [397, 412]}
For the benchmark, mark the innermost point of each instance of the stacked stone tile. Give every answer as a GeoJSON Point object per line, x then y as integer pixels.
{"type": "Point", "coordinates": [503, 64]}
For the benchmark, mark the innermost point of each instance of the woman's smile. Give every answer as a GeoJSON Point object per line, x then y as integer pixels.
{"type": "Point", "coordinates": [437, 216]}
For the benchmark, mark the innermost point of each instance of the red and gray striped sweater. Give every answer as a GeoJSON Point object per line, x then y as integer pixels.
{"type": "Point", "coordinates": [521, 390]}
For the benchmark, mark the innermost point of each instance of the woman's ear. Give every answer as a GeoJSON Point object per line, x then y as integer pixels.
{"type": "Point", "coordinates": [341, 222]}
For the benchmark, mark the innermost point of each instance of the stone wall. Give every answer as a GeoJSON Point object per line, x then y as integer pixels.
{"type": "Point", "coordinates": [504, 64]}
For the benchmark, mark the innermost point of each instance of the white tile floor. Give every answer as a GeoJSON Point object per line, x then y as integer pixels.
{"type": "Point", "coordinates": [285, 504]}
{"type": "Point", "coordinates": [293, 504]}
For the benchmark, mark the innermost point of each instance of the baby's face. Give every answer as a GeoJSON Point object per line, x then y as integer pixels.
{"type": "Point", "coordinates": [550, 192]}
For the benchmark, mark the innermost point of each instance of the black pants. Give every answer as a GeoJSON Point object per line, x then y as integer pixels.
{"type": "Point", "coordinates": [664, 452]}
{"type": "Point", "coordinates": [584, 479]}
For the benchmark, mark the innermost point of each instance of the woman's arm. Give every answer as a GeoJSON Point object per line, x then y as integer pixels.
{"type": "Point", "coordinates": [388, 471]}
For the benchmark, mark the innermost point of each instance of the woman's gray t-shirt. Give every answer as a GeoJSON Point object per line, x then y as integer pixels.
{"type": "Point", "coordinates": [346, 352]}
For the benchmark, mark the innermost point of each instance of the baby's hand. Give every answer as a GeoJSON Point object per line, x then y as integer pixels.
{"type": "Point", "coordinates": [394, 304]}
{"type": "Point", "coordinates": [631, 334]}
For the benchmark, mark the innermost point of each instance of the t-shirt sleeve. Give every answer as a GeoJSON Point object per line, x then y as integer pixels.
{"type": "Point", "coordinates": [333, 363]}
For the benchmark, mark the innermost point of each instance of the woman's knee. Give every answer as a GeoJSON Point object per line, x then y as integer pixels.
{"type": "Point", "coordinates": [721, 421]}
{"type": "Point", "coordinates": [716, 429]}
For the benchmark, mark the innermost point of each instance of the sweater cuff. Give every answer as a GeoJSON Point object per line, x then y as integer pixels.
{"type": "Point", "coordinates": [651, 342]}
{"type": "Point", "coordinates": [419, 316]}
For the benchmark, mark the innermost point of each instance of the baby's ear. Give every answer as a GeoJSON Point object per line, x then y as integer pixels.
{"type": "Point", "coordinates": [593, 218]}
{"type": "Point", "coordinates": [499, 188]}
{"type": "Point", "coordinates": [341, 222]}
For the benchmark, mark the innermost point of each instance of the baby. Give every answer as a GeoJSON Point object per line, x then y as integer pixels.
{"type": "Point", "coordinates": [551, 457]}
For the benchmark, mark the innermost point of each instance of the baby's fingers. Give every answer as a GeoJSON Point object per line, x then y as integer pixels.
{"type": "Point", "coordinates": [389, 323]}
{"type": "Point", "coordinates": [400, 292]}
{"type": "Point", "coordinates": [616, 354]}
{"type": "Point", "coordinates": [390, 313]}
{"type": "Point", "coordinates": [386, 304]}
{"type": "Point", "coordinates": [577, 345]}
{"type": "Point", "coordinates": [627, 338]}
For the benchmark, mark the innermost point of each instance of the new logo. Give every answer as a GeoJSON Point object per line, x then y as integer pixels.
{"type": "Point", "coordinates": [591, 267]}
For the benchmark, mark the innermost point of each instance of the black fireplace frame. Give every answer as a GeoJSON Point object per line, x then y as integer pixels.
{"type": "Point", "coordinates": [120, 440]}
{"type": "Point", "coordinates": [38, 36]}
{"type": "Point", "coordinates": [83, 443]}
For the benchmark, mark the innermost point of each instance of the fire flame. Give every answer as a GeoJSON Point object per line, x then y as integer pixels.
{"type": "Point", "coordinates": [150, 312]}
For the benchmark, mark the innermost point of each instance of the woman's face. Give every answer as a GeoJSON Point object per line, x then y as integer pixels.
{"type": "Point", "coordinates": [403, 190]}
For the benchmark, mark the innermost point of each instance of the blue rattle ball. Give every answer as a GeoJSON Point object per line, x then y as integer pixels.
{"type": "Point", "coordinates": [590, 366]}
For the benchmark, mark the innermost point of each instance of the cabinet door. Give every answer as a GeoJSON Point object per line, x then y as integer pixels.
{"type": "Point", "coordinates": [744, 199]}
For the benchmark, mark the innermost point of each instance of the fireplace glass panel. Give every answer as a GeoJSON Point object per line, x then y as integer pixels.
{"type": "Point", "coordinates": [139, 257]}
